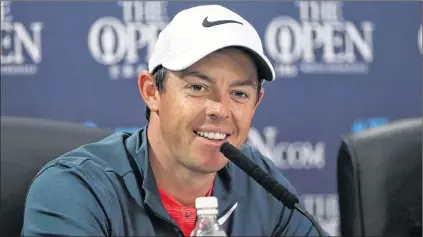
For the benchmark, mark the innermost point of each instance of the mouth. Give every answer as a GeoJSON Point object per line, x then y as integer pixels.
{"type": "Point", "coordinates": [212, 136]}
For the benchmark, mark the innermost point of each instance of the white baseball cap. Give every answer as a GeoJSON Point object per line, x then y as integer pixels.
{"type": "Point", "coordinates": [198, 31]}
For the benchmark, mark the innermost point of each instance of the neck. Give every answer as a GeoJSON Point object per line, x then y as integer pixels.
{"type": "Point", "coordinates": [175, 179]}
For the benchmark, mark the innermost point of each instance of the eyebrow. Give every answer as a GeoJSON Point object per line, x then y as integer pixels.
{"type": "Point", "coordinates": [186, 73]}
{"type": "Point", "coordinates": [245, 83]}
{"type": "Point", "coordinates": [204, 77]}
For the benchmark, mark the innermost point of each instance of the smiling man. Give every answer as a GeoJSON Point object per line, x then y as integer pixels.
{"type": "Point", "coordinates": [202, 89]}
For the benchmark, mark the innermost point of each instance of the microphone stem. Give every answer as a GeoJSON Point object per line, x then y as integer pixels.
{"type": "Point", "coordinates": [313, 221]}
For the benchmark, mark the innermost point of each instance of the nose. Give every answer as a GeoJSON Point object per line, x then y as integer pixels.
{"type": "Point", "coordinates": [217, 110]}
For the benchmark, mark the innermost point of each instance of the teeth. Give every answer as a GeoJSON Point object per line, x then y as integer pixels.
{"type": "Point", "coordinates": [212, 135]}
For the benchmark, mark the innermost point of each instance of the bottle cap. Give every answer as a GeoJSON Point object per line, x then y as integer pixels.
{"type": "Point", "coordinates": [206, 203]}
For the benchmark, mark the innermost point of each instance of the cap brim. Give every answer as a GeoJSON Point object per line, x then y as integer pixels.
{"type": "Point", "coordinates": [264, 67]}
{"type": "Point", "coordinates": [193, 55]}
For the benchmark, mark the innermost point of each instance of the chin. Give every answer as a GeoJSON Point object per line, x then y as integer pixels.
{"type": "Point", "coordinates": [210, 168]}
{"type": "Point", "coordinates": [211, 163]}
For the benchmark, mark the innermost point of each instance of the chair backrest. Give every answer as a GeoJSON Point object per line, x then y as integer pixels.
{"type": "Point", "coordinates": [26, 145]}
{"type": "Point", "coordinates": [379, 175]}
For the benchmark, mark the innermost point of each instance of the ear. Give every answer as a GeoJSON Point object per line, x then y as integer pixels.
{"type": "Point", "coordinates": [148, 90]}
{"type": "Point", "coordinates": [260, 97]}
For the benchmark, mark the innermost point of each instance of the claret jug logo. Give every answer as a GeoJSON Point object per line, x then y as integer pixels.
{"type": "Point", "coordinates": [125, 45]}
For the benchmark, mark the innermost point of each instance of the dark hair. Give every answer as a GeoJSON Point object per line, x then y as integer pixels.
{"type": "Point", "coordinates": [159, 75]}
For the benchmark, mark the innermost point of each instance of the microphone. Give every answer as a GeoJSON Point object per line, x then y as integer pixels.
{"type": "Point", "coordinates": [270, 184]}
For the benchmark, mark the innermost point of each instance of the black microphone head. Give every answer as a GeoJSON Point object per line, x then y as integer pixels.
{"type": "Point", "coordinates": [237, 157]}
{"type": "Point", "coordinates": [259, 175]}
{"type": "Point", "coordinates": [234, 155]}
{"type": "Point", "coordinates": [225, 146]}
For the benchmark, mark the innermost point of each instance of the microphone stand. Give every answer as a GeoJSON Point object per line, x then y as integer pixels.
{"type": "Point", "coordinates": [310, 217]}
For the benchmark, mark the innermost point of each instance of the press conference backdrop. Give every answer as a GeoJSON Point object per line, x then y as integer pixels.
{"type": "Point", "coordinates": [341, 67]}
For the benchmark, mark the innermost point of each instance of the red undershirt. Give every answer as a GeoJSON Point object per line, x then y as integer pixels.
{"type": "Point", "coordinates": [185, 217]}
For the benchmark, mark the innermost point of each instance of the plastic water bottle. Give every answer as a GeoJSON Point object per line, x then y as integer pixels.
{"type": "Point", "coordinates": [207, 225]}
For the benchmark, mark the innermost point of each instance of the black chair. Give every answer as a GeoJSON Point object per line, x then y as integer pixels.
{"type": "Point", "coordinates": [379, 175]}
{"type": "Point", "coordinates": [26, 145]}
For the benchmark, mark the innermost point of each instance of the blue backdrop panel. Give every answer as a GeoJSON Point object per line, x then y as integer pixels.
{"type": "Point", "coordinates": [342, 67]}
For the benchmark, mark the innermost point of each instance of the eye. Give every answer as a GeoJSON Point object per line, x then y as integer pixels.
{"type": "Point", "coordinates": [240, 94]}
{"type": "Point", "coordinates": [197, 87]}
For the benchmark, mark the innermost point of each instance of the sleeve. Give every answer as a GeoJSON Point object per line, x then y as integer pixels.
{"type": "Point", "coordinates": [291, 222]}
{"type": "Point", "coordinates": [61, 202]}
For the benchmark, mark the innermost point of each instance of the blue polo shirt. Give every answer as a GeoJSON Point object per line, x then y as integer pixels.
{"type": "Point", "coordinates": [107, 188]}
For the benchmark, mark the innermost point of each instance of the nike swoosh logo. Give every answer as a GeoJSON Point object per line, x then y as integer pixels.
{"type": "Point", "coordinates": [207, 23]}
{"type": "Point", "coordinates": [225, 217]}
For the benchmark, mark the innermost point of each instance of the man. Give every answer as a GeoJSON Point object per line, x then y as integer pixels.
{"type": "Point", "coordinates": [203, 86]}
